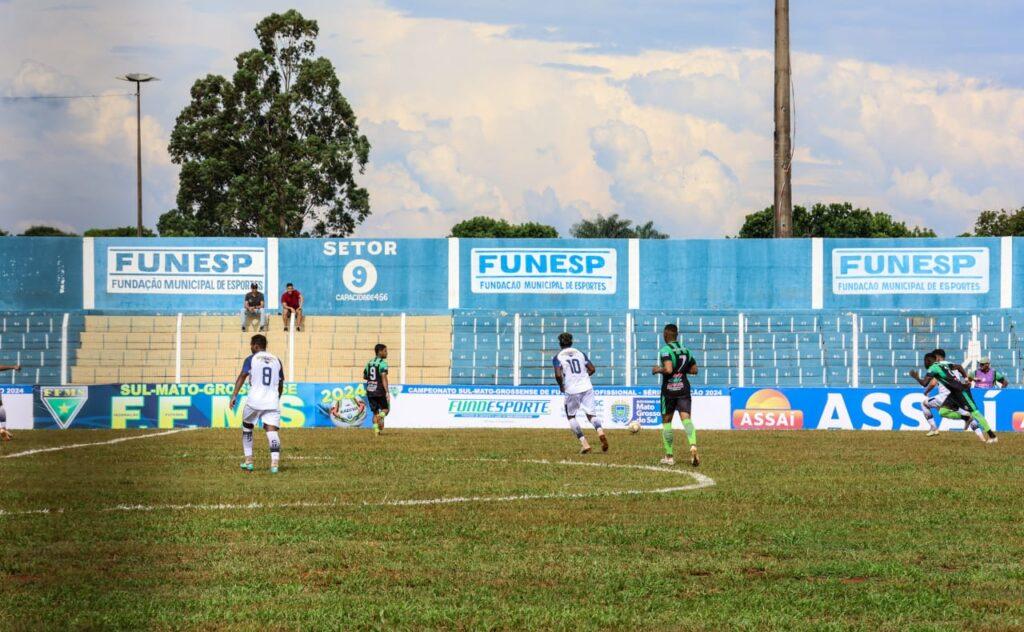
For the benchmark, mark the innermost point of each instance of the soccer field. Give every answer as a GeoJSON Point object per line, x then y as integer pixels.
{"type": "Point", "coordinates": [515, 530]}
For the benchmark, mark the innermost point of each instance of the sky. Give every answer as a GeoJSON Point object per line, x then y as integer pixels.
{"type": "Point", "coordinates": [550, 111]}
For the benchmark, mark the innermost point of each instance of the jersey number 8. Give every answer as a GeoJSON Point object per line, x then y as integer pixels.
{"type": "Point", "coordinates": [268, 375]}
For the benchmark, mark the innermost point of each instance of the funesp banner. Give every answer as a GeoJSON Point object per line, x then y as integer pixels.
{"type": "Point", "coordinates": [861, 409]}
{"type": "Point", "coordinates": [543, 270]}
{"type": "Point", "coordinates": [910, 270]}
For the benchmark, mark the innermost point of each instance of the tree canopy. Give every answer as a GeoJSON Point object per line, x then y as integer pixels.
{"type": "Point", "coordinates": [837, 219]}
{"type": "Point", "coordinates": [488, 227]}
{"type": "Point", "coordinates": [46, 231]}
{"type": "Point", "coordinates": [614, 227]}
{"type": "Point", "coordinates": [120, 231]}
{"type": "Point", "coordinates": [274, 150]}
{"type": "Point", "coordinates": [1001, 223]}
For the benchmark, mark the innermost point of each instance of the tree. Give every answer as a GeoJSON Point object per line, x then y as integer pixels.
{"type": "Point", "coordinates": [3, 233]}
{"type": "Point", "coordinates": [832, 220]}
{"type": "Point", "coordinates": [614, 227]}
{"type": "Point", "coordinates": [45, 231]}
{"type": "Point", "coordinates": [482, 227]}
{"type": "Point", "coordinates": [120, 231]}
{"type": "Point", "coordinates": [1001, 223]}
{"type": "Point", "coordinates": [274, 150]}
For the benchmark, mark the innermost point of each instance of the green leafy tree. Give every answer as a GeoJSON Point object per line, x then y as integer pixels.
{"type": "Point", "coordinates": [3, 233]}
{"type": "Point", "coordinates": [614, 227]}
{"type": "Point", "coordinates": [487, 227]}
{"type": "Point", "coordinates": [120, 231]}
{"type": "Point", "coordinates": [832, 220]}
{"type": "Point", "coordinates": [45, 231]}
{"type": "Point", "coordinates": [274, 150]}
{"type": "Point", "coordinates": [1001, 223]}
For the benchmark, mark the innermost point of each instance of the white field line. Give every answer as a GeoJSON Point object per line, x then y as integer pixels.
{"type": "Point", "coordinates": [700, 481]}
{"type": "Point", "coordinates": [86, 445]}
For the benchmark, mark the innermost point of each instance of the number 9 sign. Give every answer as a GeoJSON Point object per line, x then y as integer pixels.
{"type": "Point", "coordinates": [359, 276]}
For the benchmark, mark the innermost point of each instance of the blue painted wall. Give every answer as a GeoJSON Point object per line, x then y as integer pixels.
{"type": "Point", "coordinates": [340, 276]}
{"type": "Point", "coordinates": [725, 274]}
{"type": "Point", "coordinates": [40, 273]}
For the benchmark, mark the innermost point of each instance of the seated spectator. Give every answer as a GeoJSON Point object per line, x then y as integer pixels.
{"type": "Point", "coordinates": [987, 377]}
{"type": "Point", "coordinates": [252, 309]}
{"type": "Point", "coordinates": [291, 303]}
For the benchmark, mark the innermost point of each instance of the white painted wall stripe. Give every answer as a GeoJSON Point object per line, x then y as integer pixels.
{"type": "Point", "coordinates": [817, 273]}
{"type": "Point", "coordinates": [88, 274]}
{"type": "Point", "coordinates": [1006, 272]}
{"type": "Point", "coordinates": [634, 274]}
{"type": "Point", "coordinates": [453, 273]}
{"type": "Point", "coordinates": [272, 291]}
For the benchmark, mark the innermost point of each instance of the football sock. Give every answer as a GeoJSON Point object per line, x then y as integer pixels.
{"type": "Point", "coordinates": [691, 432]}
{"type": "Point", "coordinates": [575, 427]}
{"type": "Point", "coordinates": [594, 421]}
{"type": "Point", "coordinates": [247, 441]}
{"type": "Point", "coordinates": [982, 422]}
{"type": "Point", "coordinates": [666, 437]}
{"type": "Point", "coordinates": [275, 447]}
{"type": "Point", "coordinates": [927, 413]}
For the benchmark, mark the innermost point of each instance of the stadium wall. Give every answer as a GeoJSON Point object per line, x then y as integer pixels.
{"type": "Point", "coordinates": [353, 276]}
{"type": "Point", "coordinates": [308, 405]}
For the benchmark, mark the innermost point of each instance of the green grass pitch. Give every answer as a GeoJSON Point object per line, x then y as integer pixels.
{"type": "Point", "coordinates": [805, 530]}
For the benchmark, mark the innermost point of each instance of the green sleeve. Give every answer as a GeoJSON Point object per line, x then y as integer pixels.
{"type": "Point", "coordinates": [383, 366]}
{"type": "Point", "coordinates": [665, 353]}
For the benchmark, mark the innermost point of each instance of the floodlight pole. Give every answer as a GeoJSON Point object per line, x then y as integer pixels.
{"type": "Point", "coordinates": [783, 162]}
{"type": "Point", "coordinates": [138, 79]}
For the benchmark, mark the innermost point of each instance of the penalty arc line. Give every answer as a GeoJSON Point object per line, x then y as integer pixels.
{"type": "Point", "coordinates": [86, 445]}
{"type": "Point", "coordinates": [700, 481]}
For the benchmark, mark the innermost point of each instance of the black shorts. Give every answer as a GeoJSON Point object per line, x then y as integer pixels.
{"type": "Point", "coordinates": [960, 399]}
{"type": "Point", "coordinates": [377, 403]}
{"type": "Point", "coordinates": [675, 404]}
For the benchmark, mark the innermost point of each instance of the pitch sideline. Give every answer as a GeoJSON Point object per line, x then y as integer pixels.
{"type": "Point", "coordinates": [86, 445]}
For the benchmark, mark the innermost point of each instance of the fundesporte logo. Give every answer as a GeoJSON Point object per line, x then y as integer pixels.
{"type": "Point", "coordinates": [499, 408]}
{"type": "Point", "coordinates": [767, 409]}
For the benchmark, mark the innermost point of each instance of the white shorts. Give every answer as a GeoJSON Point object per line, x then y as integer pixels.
{"type": "Point", "coordinates": [268, 417]}
{"type": "Point", "coordinates": [575, 402]}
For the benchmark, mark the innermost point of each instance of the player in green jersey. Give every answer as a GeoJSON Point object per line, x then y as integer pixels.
{"type": "Point", "coordinates": [375, 375]}
{"type": "Point", "coordinates": [676, 366]}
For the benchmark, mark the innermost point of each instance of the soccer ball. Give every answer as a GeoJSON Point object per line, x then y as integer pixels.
{"type": "Point", "coordinates": [634, 426]}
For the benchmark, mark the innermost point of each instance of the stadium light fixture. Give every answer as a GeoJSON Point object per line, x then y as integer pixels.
{"type": "Point", "coordinates": [138, 78]}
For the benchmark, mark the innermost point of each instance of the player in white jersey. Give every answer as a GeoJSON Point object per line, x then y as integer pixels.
{"type": "Point", "coordinates": [263, 402]}
{"type": "Point", "coordinates": [572, 372]}
{"type": "Point", "coordinates": [932, 403]}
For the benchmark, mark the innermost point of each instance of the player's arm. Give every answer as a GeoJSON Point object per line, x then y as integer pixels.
{"type": "Point", "coordinates": [242, 377]}
{"type": "Point", "coordinates": [923, 381]}
{"type": "Point", "coordinates": [693, 367]}
{"type": "Point", "coordinates": [591, 369]}
{"type": "Point", "coordinates": [280, 383]}
{"type": "Point", "coordinates": [931, 383]}
{"type": "Point", "coordinates": [1001, 380]}
{"type": "Point", "coordinates": [559, 375]}
{"type": "Point", "coordinates": [384, 383]}
{"type": "Point", "coordinates": [665, 368]}
{"type": "Point", "coordinates": [10, 367]}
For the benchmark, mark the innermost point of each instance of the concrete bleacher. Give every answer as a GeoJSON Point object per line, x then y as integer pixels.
{"type": "Point", "coordinates": [798, 348]}
{"type": "Point", "coordinates": [34, 340]}
{"type": "Point", "coordinates": [143, 348]}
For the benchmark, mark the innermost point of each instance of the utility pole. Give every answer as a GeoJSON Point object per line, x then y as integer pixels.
{"type": "Point", "coordinates": [138, 79]}
{"type": "Point", "coordinates": [783, 136]}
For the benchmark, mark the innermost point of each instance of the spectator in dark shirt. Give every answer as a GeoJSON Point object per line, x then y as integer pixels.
{"type": "Point", "coordinates": [252, 309]}
{"type": "Point", "coordinates": [291, 303]}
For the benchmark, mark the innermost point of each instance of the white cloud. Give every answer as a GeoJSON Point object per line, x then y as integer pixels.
{"type": "Point", "coordinates": [467, 120]}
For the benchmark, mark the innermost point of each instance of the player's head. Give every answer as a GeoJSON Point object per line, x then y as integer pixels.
{"type": "Point", "coordinates": [929, 359]}
{"type": "Point", "coordinates": [254, 287]}
{"type": "Point", "coordinates": [670, 333]}
{"type": "Point", "coordinates": [565, 340]}
{"type": "Point", "coordinates": [258, 343]}
{"type": "Point", "coordinates": [381, 350]}
{"type": "Point", "coordinates": [289, 287]}
{"type": "Point", "coordinates": [940, 354]}
{"type": "Point", "coordinates": [984, 364]}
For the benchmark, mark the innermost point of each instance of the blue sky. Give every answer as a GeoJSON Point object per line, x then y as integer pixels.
{"type": "Point", "coordinates": [551, 111]}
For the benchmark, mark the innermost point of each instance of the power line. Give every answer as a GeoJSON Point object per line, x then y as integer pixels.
{"type": "Point", "coordinates": [62, 96]}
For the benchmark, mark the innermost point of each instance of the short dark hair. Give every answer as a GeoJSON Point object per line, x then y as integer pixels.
{"type": "Point", "coordinates": [254, 287]}
{"type": "Point", "coordinates": [259, 340]}
{"type": "Point", "coordinates": [565, 339]}
{"type": "Point", "coordinates": [377, 348]}
{"type": "Point", "coordinates": [939, 352]}
{"type": "Point", "coordinates": [288, 285]}
{"type": "Point", "coordinates": [671, 327]}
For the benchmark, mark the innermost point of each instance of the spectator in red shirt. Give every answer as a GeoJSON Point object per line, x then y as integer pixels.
{"type": "Point", "coordinates": [291, 303]}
